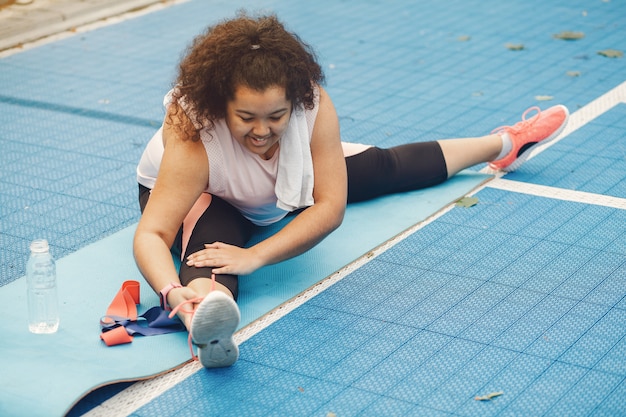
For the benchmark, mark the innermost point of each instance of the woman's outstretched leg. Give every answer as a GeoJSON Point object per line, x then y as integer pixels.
{"type": "Point", "coordinates": [460, 154]}
{"type": "Point", "coordinates": [375, 172]}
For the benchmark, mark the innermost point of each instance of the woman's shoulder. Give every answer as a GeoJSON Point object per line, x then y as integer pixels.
{"type": "Point", "coordinates": [174, 101]}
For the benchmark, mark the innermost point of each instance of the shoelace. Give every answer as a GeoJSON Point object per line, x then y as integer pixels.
{"type": "Point", "coordinates": [523, 124]}
{"type": "Point", "coordinates": [179, 307]}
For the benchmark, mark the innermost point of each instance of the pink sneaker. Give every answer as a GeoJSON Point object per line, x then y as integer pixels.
{"type": "Point", "coordinates": [542, 128]}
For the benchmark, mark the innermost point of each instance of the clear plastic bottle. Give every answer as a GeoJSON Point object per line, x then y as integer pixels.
{"type": "Point", "coordinates": [43, 311]}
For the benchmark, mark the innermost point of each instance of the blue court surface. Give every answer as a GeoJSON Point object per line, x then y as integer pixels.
{"type": "Point", "coordinates": [522, 295]}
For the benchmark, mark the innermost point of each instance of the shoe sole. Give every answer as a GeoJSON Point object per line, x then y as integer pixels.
{"type": "Point", "coordinates": [524, 156]}
{"type": "Point", "coordinates": [212, 327]}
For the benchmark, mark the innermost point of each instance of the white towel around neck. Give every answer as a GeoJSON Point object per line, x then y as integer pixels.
{"type": "Point", "coordinates": [294, 180]}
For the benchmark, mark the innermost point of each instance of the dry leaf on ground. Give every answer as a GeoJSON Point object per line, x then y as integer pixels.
{"type": "Point", "coordinates": [515, 46]}
{"type": "Point", "coordinates": [488, 396]}
{"type": "Point", "coordinates": [611, 53]}
{"type": "Point", "coordinates": [467, 202]}
{"type": "Point", "coordinates": [569, 36]}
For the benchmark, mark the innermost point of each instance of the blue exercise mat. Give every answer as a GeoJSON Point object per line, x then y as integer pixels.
{"type": "Point", "coordinates": [45, 375]}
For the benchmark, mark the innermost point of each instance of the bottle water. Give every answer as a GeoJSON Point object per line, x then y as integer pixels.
{"type": "Point", "coordinates": [43, 312]}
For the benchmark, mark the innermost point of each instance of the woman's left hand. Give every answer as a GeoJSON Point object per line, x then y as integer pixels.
{"type": "Point", "coordinates": [225, 259]}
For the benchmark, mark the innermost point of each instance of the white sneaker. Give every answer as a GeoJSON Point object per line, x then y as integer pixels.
{"type": "Point", "coordinates": [212, 327]}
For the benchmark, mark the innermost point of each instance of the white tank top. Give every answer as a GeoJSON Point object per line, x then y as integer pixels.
{"type": "Point", "coordinates": [236, 175]}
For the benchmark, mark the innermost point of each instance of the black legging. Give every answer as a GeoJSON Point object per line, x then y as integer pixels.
{"type": "Point", "coordinates": [376, 172]}
{"type": "Point", "coordinates": [372, 173]}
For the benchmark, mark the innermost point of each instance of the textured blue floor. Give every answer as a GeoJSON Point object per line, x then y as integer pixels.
{"type": "Point", "coordinates": [520, 294]}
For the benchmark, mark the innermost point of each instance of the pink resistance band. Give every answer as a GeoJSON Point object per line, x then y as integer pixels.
{"type": "Point", "coordinates": [202, 203]}
{"type": "Point", "coordinates": [121, 321]}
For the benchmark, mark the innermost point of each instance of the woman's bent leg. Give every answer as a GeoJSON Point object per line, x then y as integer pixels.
{"type": "Point", "coordinates": [218, 222]}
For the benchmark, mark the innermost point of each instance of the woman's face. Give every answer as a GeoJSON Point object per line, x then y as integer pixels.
{"type": "Point", "coordinates": [258, 119]}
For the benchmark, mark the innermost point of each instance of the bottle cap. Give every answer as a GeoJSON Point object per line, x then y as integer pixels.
{"type": "Point", "coordinates": [39, 246]}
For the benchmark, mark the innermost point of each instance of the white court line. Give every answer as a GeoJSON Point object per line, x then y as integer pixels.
{"type": "Point", "coordinates": [558, 193]}
{"type": "Point", "coordinates": [141, 393]}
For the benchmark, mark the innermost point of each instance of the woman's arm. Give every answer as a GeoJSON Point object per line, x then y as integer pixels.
{"type": "Point", "coordinates": [310, 226]}
{"type": "Point", "coordinates": [183, 175]}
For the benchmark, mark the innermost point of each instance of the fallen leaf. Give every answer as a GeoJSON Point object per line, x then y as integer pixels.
{"type": "Point", "coordinates": [477, 94]}
{"type": "Point", "coordinates": [464, 38]}
{"type": "Point", "coordinates": [515, 46]}
{"type": "Point", "coordinates": [467, 202]}
{"type": "Point", "coordinates": [569, 36]}
{"type": "Point", "coordinates": [611, 53]}
{"type": "Point", "coordinates": [300, 389]}
{"type": "Point", "coordinates": [544, 98]}
{"type": "Point", "coordinates": [573, 73]}
{"type": "Point", "coordinates": [331, 414]}
{"type": "Point", "coordinates": [489, 396]}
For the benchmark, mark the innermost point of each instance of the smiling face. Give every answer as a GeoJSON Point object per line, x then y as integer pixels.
{"type": "Point", "coordinates": [258, 119]}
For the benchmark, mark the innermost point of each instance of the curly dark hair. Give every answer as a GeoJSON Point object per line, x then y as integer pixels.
{"type": "Point", "coordinates": [256, 52]}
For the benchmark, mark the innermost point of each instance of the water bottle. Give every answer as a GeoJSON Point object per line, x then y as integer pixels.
{"type": "Point", "coordinates": [43, 312]}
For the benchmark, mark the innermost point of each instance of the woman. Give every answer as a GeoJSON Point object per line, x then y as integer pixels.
{"type": "Point", "coordinates": [250, 136]}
